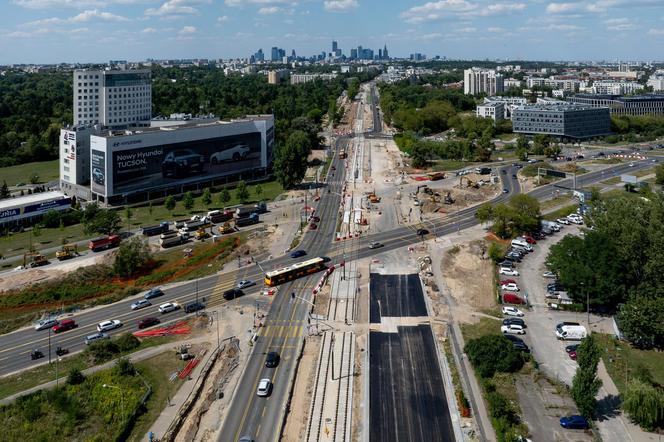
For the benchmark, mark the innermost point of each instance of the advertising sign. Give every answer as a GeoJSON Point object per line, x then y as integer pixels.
{"type": "Point", "coordinates": [48, 205]}
{"type": "Point", "coordinates": [148, 167]}
{"type": "Point", "coordinates": [98, 171]}
{"type": "Point", "coordinates": [9, 213]}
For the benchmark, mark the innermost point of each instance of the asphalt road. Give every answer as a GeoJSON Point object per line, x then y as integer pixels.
{"type": "Point", "coordinates": [406, 394]}
{"type": "Point", "coordinates": [395, 295]}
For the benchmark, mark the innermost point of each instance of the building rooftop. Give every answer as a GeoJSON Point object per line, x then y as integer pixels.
{"type": "Point", "coordinates": [556, 107]}
{"type": "Point", "coordinates": [35, 198]}
{"type": "Point", "coordinates": [644, 97]}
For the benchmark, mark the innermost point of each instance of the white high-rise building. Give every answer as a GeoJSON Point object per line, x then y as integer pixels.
{"type": "Point", "coordinates": [112, 98]}
{"type": "Point", "coordinates": [478, 81]}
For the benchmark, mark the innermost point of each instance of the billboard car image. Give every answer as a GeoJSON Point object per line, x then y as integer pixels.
{"type": "Point", "coordinates": [190, 161]}
{"type": "Point", "coordinates": [98, 164]}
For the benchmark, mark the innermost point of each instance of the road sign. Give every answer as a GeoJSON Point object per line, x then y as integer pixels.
{"type": "Point", "coordinates": [556, 173]}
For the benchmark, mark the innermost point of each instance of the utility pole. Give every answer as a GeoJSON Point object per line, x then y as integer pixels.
{"type": "Point", "coordinates": [49, 345]}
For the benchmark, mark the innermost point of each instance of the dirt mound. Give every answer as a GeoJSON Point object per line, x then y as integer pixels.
{"type": "Point", "coordinates": [469, 275]}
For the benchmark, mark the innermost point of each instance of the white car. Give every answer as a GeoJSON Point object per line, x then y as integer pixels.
{"type": "Point", "coordinates": [264, 387]}
{"type": "Point", "coordinates": [576, 220]}
{"type": "Point", "coordinates": [168, 307]}
{"type": "Point", "coordinates": [549, 275]}
{"type": "Point", "coordinates": [235, 153]}
{"type": "Point", "coordinates": [109, 325]}
{"type": "Point", "coordinates": [141, 303]}
{"type": "Point", "coordinates": [562, 221]}
{"type": "Point", "coordinates": [509, 272]}
{"type": "Point", "coordinates": [512, 311]}
{"type": "Point", "coordinates": [513, 329]}
{"type": "Point", "coordinates": [510, 287]}
{"type": "Point", "coordinates": [45, 323]}
{"type": "Point", "coordinates": [245, 283]}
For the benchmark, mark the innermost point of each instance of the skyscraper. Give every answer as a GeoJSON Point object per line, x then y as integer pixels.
{"type": "Point", "coordinates": [334, 47]}
{"type": "Point", "coordinates": [274, 54]}
{"type": "Point", "coordinates": [353, 53]}
{"type": "Point", "coordinates": [385, 55]}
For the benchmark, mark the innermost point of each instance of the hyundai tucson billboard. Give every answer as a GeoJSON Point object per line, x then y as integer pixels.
{"type": "Point", "coordinates": [162, 165]}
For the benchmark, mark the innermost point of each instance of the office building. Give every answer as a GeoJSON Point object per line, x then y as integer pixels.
{"type": "Point", "coordinates": [656, 81]}
{"type": "Point", "coordinates": [610, 87]}
{"type": "Point", "coordinates": [417, 56]}
{"type": "Point", "coordinates": [647, 104]}
{"type": "Point", "coordinates": [29, 209]}
{"type": "Point", "coordinates": [259, 56]}
{"type": "Point", "coordinates": [385, 53]}
{"type": "Point", "coordinates": [112, 98]}
{"type": "Point", "coordinates": [276, 77]}
{"type": "Point", "coordinates": [306, 78]}
{"type": "Point", "coordinates": [494, 110]}
{"type": "Point", "coordinates": [482, 81]}
{"type": "Point", "coordinates": [274, 54]}
{"type": "Point", "coordinates": [334, 47]}
{"type": "Point", "coordinates": [353, 54]}
{"type": "Point", "coordinates": [561, 119]}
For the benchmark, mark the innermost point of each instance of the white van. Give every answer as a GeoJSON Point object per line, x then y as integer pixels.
{"type": "Point", "coordinates": [568, 332]}
{"type": "Point", "coordinates": [520, 242]}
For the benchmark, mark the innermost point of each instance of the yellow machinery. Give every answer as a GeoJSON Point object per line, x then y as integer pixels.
{"type": "Point", "coordinates": [67, 251]}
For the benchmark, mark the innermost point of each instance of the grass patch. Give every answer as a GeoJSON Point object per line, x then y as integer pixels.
{"type": "Point", "coordinates": [554, 202]}
{"type": "Point", "coordinates": [156, 372]}
{"type": "Point", "coordinates": [46, 170]}
{"type": "Point", "coordinates": [506, 137]}
{"type": "Point", "coordinates": [561, 213]}
{"type": "Point", "coordinates": [611, 181]}
{"type": "Point", "coordinates": [530, 170]}
{"type": "Point", "coordinates": [643, 172]}
{"type": "Point", "coordinates": [622, 361]}
{"type": "Point", "coordinates": [606, 161]}
{"type": "Point", "coordinates": [18, 243]}
{"type": "Point", "coordinates": [445, 165]}
{"type": "Point", "coordinates": [485, 326]}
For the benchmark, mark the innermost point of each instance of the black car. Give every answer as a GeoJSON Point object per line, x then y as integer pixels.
{"type": "Point", "coordinates": [272, 359]}
{"type": "Point", "coordinates": [513, 338]}
{"type": "Point", "coordinates": [232, 294]}
{"type": "Point", "coordinates": [521, 347]}
{"type": "Point", "coordinates": [538, 236]}
{"type": "Point", "coordinates": [506, 263]}
{"type": "Point", "coordinates": [193, 307]}
{"type": "Point", "coordinates": [153, 293]}
{"type": "Point", "coordinates": [513, 257]}
{"type": "Point", "coordinates": [516, 321]}
{"type": "Point", "coordinates": [571, 348]}
{"type": "Point", "coordinates": [182, 162]}
{"type": "Point", "coordinates": [422, 232]}
{"type": "Point", "coordinates": [148, 322]}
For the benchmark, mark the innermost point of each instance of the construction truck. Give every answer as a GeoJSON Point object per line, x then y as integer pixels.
{"type": "Point", "coordinates": [342, 154]}
{"type": "Point", "coordinates": [373, 198]}
{"type": "Point", "coordinates": [449, 199]}
{"type": "Point", "coordinates": [34, 260]}
{"type": "Point", "coordinates": [226, 228]}
{"type": "Point", "coordinates": [251, 219]}
{"type": "Point", "coordinates": [201, 234]}
{"type": "Point", "coordinates": [436, 176]}
{"type": "Point", "coordinates": [99, 244]}
{"type": "Point", "coordinates": [67, 251]}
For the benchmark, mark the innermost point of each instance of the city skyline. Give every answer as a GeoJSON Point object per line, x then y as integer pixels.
{"type": "Point", "coordinates": [52, 31]}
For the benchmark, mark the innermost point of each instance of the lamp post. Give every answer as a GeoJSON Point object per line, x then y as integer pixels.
{"type": "Point", "coordinates": [49, 345]}
{"type": "Point", "coordinates": [216, 314]}
{"type": "Point", "coordinates": [121, 398]}
{"type": "Point", "coordinates": [332, 350]}
{"type": "Point", "coordinates": [56, 372]}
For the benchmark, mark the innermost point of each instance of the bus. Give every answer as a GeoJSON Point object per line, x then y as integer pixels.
{"type": "Point", "coordinates": [294, 271]}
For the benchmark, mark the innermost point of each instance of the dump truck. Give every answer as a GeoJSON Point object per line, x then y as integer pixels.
{"type": "Point", "coordinates": [67, 251]}
{"type": "Point", "coordinates": [226, 228]}
{"type": "Point", "coordinates": [190, 226]}
{"type": "Point", "coordinates": [171, 241]}
{"type": "Point", "coordinates": [99, 244]}
{"type": "Point", "coordinates": [251, 219]}
{"type": "Point", "coordinates": [217, 216]}
{"type": "Point", "coordinates": [201, 234]}
{"type": "Point", "coordinates": [156, 230]}
{"type": "Point", "coordinates": [244, 212]}
{"type": "Point", "coordinates": [34, 260]}
{"type": "Point", "coordinates": [436, 176]}
{"type": "Point", "coordinates": [260, 208]}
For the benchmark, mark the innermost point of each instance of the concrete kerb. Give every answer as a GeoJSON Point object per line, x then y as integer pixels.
{"type": "Point", "coordinates": [445, 372]}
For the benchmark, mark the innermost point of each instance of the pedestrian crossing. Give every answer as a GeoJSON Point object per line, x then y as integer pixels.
{"type": "Point", "coordinates": [226, 281]}
{"type": "Point", "coordinates": [283, 331]}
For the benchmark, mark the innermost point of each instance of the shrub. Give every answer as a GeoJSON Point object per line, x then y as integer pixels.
{"type": "Point", "coordinates": [75, 377]}
{"type": "Point", "coordinates": [492, 353]}
{"type": "Point", "coordinates": [124, 367]}
{"type": "Point", "coordinates": [103, 350]}
{"type": "Point", "coordinates": [127, 341]}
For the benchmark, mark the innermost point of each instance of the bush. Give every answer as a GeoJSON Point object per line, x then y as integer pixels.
{"type": "Point", "coordinates": [496, 252]}
{"type": "Point", "coordinates": [127, 342]}
{"type": "Point", "coordinates": [102, 351]}
{"type": "Point", "coordinates": [492, 353]}
{"type": "Point", "coordinates": [75, 377]}
{"type": "Point", "coordinates": [124, 367]}
{"type": "Point", "coordinates": [644, 403]}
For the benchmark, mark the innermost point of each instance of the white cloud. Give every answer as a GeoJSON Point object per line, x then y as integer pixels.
{"type": "Point", "coordinates": [430, 36]}
{"type": "Point", "coordinates": [467, 30]}
{"type": "Point", "coordinates": [259, 2]}
{"type": "Point", "coordinates": [620, 24]}
{"type": "Point", "coordinates": [495, 29]}
{"type": "Point", "coordinates": [176, 7]}
{"type": "Point", "coordinates": [45, 4]}
{"type": "Point", "coordinates": [269, 10]}
{"type": "Point", "coordinates": [562, 8]}
{"type": "Point", "coordinates": [340, 5]}
{"type": "Point", "coordinates": [148, 31]}
{"type": "Point", "coordinates": [656, 31]}
{"type": "Point", "coordinates": [42, 31]}
{"type": "Point", "coordinates": [187, 30]}
{"type": "Point", "coordinates": [84, 16]}
{"type": "Point", "coordinates": [223, 19]}
{"type": "Point", "coordinates": [439, 10]}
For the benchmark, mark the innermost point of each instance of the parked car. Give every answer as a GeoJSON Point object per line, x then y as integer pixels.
{"type": "Point", "coordinates": [529, 239]}
{"type": "Point", "coordinates": [64, 325]}
{"type": "Point", "coordinates": [508, 271]}
{"type": "Point", "coordinates": [298, 253]}
{"type": "Point", "coordinates": [153, 293]}
{"type": "Point", "coordinates": [512, 311]}
{"type": "Point", "coordinates": [521, 346]}
{"type": "Point", "coordinates": [109, 325]}
{"type": "Point", "coordinates": [148, 322]}
{"type": "Point", "coordinates": [168, 307]}
{"type": "Point", "coordinates": [506, 262]}
{"type": "Point", "coordinates": [272, 359]}
{"type": "Point", "coordinates": [562, 221]}
{"type": "Point", "coordinates": [313, 226]}
{"type": "Point", "coordinates": [514, 256]}
{"type": "Point", "coordinates": [245, 283]}
{"type": "Point", "coordinates": [513, 298]}
{"type": "Point", "coordinates": [96, 337]}
{"type": "Point", "coordinates": [517, 321]}
{"type": "Point", "coordinates": [235, 153]}
{"type": "Point", "coordinates": [141, 303]}
{"type": "Point", "coordinates": [513, 329]}
{"type": "Point", "coordinates": [515, 339]}
{"type": "Point", "coordinates": [574, 422]}
{"type": "Point", "coordinates": [264, 387]}
{"type": "Point", "coordinates": [46, 323]}
{"type": "Point", "coordinates": [572, 355]}
{"type": "Point", "coordinates": [507, 281]}
{"type": "Point", "coordinates": [549, 275]}
{"type": "Point", "coordinates": [510, 287]}
{"type": "Point", "coordinates": [571, 348]}
{"type": "Point", "coordinates": [422, 232]}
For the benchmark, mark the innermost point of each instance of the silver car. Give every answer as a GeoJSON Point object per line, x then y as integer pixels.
{"type": "Point", "coordinates": [46, 323]}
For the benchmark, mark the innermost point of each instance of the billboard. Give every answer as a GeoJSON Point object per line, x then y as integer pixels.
{"type": "Point", "coordinates": [59, 204]}
{"type": "Point", "coordinates": [171, 163]}
{"type": "Point", "coordinates": [98, 171]}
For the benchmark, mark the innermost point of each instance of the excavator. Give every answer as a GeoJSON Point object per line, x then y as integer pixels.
{"type": "Point", "coordinates": [373, 198]}
{"type": "Point", "coordinates": [201, 234]}
{"type": "Point", "coordinates": [67, 251]}
{"type": "Point", "coordinates": [33, 259]}
{"type": "Point", "coordinates": [226, 228]}
{"type": "Point", "coordinates": [469, 182]}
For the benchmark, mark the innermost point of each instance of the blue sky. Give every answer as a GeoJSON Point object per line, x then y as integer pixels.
{"type": "Point", "coordinates": [49, 31]}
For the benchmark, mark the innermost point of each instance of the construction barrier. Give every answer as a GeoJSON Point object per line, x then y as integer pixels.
{"type": "Point", "coordinates": [180, 328]}
{"type": "Point", "coordinates": [323, 279]}
{"type": "Point", "coordinates": [188, 368]}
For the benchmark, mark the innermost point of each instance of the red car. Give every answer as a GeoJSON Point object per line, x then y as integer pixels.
{"type": "Point", "coordinates": [529, 239]}
{"type": "Point", "coordinates": [64, 325]}
{"type": "Point", "coordinates": [507, 281]}
{"type": "Point", "coordinates": [313, 226]}
{"type": "Point", "coordinates": [315, 219]}
{"type": "Point", "coordinates": [147, 322]}
{"type": "Point", "coordinates": [572, 355]}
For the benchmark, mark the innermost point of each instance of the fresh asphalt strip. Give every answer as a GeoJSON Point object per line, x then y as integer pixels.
{"type": "Point", "coordinates": [396, 296]}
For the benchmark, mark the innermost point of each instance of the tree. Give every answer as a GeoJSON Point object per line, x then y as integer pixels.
{"type": "Point", "coordinates": [242, 192]}
{"type": "Point", "coordinates": [169, 203]}
{"type": "Point", "coordinates": [132, 256]}
{"type": "Point", "coordinates": [496, 252]}
{"type": "Point", "coordinates": [224, 196]}
{"type": "Point", "coordinates": [4, 190]}
{"type": "Point", "coordinates": [659, 174]}
{"type": "Point", "coordinates": [585, 384]}
{"type": "Point", "coordinates": [644, 403]}
{"type": "Point", "coordinates": [540, 142]}
{"type": "Point", "coordinates": [102, 221]}
{"type": "Point", "coordinates": [127, 341]}
{"type": "Point", "coordinates": [128, 214]}
{"type": "Point", "coordinates": [75, 377]}
{"type": "Point", "coordinates": [290, 162]}
{"type": "Point", "coordinates": [526, 214]}
{"type": "Point", "coordinates": [206, 198]}
{"type": "Point", "coordinates": [258, 191]}
{"type": "Point", "coordinates": [188, 201]}
{"type": "Point", "coordinates": [492, 353]}
{"type": "Point", "coordinates": [124, 367]}
{"type": "Point", "coordinates": [640, 321]}
{"type": "Point", "coordinates": [484, 213]}
{"type": "Point", "coordinates": [34, 178]}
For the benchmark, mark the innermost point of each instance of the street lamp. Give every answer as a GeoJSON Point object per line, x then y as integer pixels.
{"type": "Point", "coordinates": [56, 371]}
{"type": "Point", "coordinates": [216, 314]}
{"type": "Point", "coordinates": [121, 398]}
